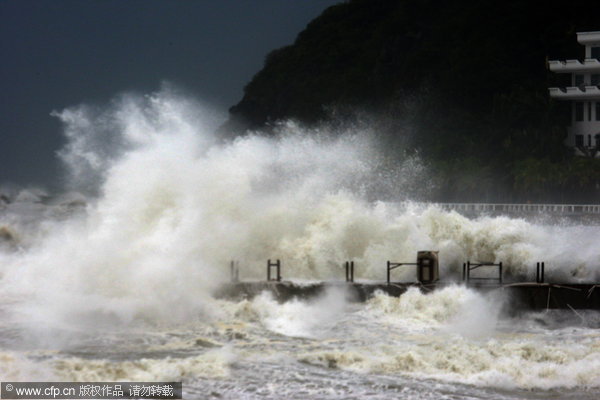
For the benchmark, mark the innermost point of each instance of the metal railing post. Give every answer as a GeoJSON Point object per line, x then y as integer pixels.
{"type": "Point", "coordinates": [500, 272]}
{"type": "Point", "coordinates": [539, 276]}
{"type": "Point", "coordinates": [278, 270]}
{"type": "Point", "coordinates": [468, 271]}
{"type": "Point", "coordinates": [235, 271]}
{"type": "Point", "coordinates": [388, 272]}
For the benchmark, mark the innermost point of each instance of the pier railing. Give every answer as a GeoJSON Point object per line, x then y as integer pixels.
{"type": "Point", "coordinates": [538, 295]}
{"type": "Point", "coordinates": [469, 266]}
{"type": "Point", "coordinates": [274, 264]}
{"type": "Point", "coordinates": [349, 271]}
{"type": "Point", "coordinates": [560, 209]}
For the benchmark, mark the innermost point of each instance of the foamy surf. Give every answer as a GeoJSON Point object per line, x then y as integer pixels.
{"type": "Point", "coordinates": [456, 335]}
{"type": "Point", "coordinates": [115, 284]}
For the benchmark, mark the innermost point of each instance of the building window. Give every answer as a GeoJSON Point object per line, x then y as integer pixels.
{"type": "Point", "coordinates": [595, 81]}
{"type": "Point", "coordinates": [589, 140]}
{"type": "Point", "coordinates": [578, 111]}
{"type": "Point", "coordinates": [598, 111]}
{"type": "Point", "coordinates": [578, 80]}
{"type": "Point", "coordinates": [589, 111]}
{"type": "Point", "coordinates": [596, 52]}
{"type": "Point", "coordinates": [579, 140]}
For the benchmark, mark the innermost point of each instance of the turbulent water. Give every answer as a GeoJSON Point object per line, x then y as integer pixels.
{"type": "Point", "coordinates": [116, 284]}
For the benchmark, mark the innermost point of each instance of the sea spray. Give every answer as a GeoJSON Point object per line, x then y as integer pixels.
{"type": "Point", "coordinates": [453, 309]}
{"type": "Point", "coordinates": [115, 283]}
{"type": "Point", "coordinates": [296, 318]}
{"type": "Point", "coordinates": [175, 205]}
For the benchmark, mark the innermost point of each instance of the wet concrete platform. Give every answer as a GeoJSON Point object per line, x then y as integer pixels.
{"type": "Point", "coordinates": [516, 296]}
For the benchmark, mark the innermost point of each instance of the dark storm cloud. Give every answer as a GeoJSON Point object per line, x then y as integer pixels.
{"type": "Point", "coordinates": [64, 52]}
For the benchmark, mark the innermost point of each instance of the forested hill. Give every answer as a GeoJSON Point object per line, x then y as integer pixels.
{"type": "Point", "coordinates": [469, 76]}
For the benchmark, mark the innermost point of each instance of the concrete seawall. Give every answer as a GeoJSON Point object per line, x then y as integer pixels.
{"type": "Point", "coordinates": [519, 296]}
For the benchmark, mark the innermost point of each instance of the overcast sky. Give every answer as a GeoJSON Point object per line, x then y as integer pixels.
{"type": "Point", "coordinates": [60, 53]}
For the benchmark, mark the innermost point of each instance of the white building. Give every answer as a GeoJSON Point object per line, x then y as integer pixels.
{"type": "Point", "coordinates": [584, 94]}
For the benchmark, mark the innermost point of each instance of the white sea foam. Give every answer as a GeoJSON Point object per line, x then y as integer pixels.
{"type": "Point", "coordinates": [453, 309]}
{"type": "Point", "coordinates": [212, 364]}
{"type": "Point", "coordinates": [15, 366]}
{"type": "Point", "coordinates": [296, 318]}
{"type": "Point", "coordinates": [451, 335]}
{"type": "Point", "coordinates": [514, 363]}
{"type": "Point", "coordinates": [168, 207]}
{"type": "Point", "coordinates": [174, 207]}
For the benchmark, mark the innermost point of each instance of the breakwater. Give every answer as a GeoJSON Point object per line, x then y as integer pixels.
{"type": "Point", "coordinates": [517, 296]}
{"type": "Point", "coordinates": [537, 295]}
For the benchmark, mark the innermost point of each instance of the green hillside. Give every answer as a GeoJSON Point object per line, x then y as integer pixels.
{"type": "Point", "coordinates": [464, 83]}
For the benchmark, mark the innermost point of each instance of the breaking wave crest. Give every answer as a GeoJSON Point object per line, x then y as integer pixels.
{"type": "Point", "coordinates": [174, 205]}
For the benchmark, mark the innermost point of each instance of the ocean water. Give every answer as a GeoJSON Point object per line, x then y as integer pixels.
{"type": "Point", "coordinates": [113, 279]}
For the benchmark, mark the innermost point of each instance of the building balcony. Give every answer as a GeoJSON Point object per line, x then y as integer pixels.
{"type": "Point", "coordinates": [575, 93]}
{"type": "Point", "coordinates": [588, 38]}
{"type": "Point", "coordinates": [588, 65]}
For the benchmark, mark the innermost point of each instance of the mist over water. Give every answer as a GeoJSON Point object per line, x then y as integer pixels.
{"type": "Point", "coordinates": [175, 205]}
{"type": "Point", "coordinates": [166, 205]}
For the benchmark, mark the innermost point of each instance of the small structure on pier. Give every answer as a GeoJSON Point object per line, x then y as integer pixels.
{"type": "Point", "coordinates": [584, 94]}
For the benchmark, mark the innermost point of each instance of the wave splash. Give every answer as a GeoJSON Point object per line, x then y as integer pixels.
{"type": "Point", "coordinates": [174, 205]}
